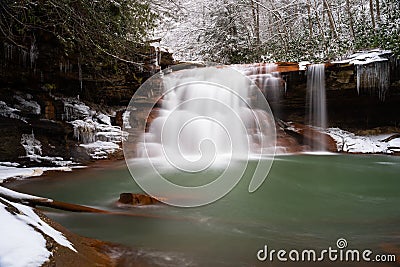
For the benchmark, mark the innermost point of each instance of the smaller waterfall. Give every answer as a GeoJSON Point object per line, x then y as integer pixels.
{"type": "Point", "coordinates": [316, 100]}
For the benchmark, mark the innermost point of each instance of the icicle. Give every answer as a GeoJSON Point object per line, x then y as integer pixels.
{"type": "Point", "coordinates": [358, 78]}
{"type": "Point", "coordinates": [85, 131]}
{"type": "Point", "coordinates": [24, 58]}
{"type": "Point", "coordinates": [33, 53]}
{"type": "Point", "coordinates": [374, 79]}
{"type": "Point", "coordinates": [32, 146]}
{"type": "Point", "coordinates": [80, 74]}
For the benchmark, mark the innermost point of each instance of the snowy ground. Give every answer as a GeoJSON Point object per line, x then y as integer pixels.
{"type": "Point", "coordinates": [351, 143]}
{"type": "Point", "coordinates": [13, 170]}
{"type": "Point", "coordinates": [23, 233]}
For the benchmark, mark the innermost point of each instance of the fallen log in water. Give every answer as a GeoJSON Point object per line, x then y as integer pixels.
{"type": "Point", "coordinates": [34, 201]}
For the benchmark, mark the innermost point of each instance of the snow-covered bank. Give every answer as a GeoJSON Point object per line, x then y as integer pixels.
{"type": "Point", "coordinates": [351, 143]}
{"type": "Point", "coordinates": [24, 235]}
{"type": "Point", "coordinates": [13, 170]}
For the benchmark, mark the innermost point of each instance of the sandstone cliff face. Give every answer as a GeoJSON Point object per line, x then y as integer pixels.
{"type": "Point", "coordinates": [346, 107]}
{"type": "Point", "coordinates": [34, 84]}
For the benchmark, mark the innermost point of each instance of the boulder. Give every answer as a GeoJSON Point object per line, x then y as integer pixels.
{"type": "Point", "coordinates": [136, 199]}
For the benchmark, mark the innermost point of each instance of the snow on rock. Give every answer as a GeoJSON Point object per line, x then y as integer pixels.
{"type": "Point", "coordinates": [100, 149]}
{"type": "Point", "coordinates": [89, 131]}
{"type": "Point", "coordinates": [125, 120]}
{"type": "Point", "coordinates": [74, 110]}
{"type": "Point", "coordinates": [22, 236]}
{"type": "Point", "coordinates": [303, 65]}
{"type": "Point", "coordinates": [32, 146]}
{"type": "Point", "coordinates": [22, 173]}
{"type": "Point", "coordinates": [365, 57]}
{"type": "Point", "coordinates": [351, 143]}
{"type": "Point", "coordinates": [84, 131]}
{"type": "Point", "coordinates": [8, 112]}
{"type": "Point", "coordinates": [10, 172]}
{"type": "Point", "coordinates": [93, 129]}
{"type": "Point", "coordinates": [28, 105]}
{"type": "Point", "coordinates": [373, 71]}
{"type": "Point", "coordinates": [33, 149]}
{"type": "Point", "coordinates": [102, 118]}
{"type": "Point", "coordinates": [9, 164]}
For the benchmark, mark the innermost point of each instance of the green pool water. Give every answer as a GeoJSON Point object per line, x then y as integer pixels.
{"type": "Point", "coordinates": [307, 201]}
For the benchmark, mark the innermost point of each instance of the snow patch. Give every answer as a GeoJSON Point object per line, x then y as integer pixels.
{"type": "Point", "coordinates": [22, 173]}
{"type": "Point", "coordinates": [8, 112]}
{"type": "Point", "coordinates": [33, 149]}
{"type": "Point", "coordinates": [351, 143]}
{"type": "Point", "coordinates": [22, 235]}
{"type": "Point", "coordinates": [31, 218]}
{"type": "Point", "coordinates": [32, 146]}
{"type": "Point", "coordinates": [101, 149]}
{"type": "Point", "coordinates": [9, 164]}
{"type": "Point", "coordinates": [75, 110]}
{"type": "Point", "coordinates": [365, 57]}
{"type": "Point", "coordinates": [93, 129]}
{"type": "Point", "coordinates": [303, 65]}
{"type": "Point", "coordinates": [20, 244]}
{"type": "Point", "coordinates": [16, 195]}
{"type": "Point", "coordinates": [102, 118]}
{"type": "Point", "coordinates": [29, 106]}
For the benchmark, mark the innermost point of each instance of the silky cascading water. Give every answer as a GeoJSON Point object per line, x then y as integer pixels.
{"type": "Point", "coordinates": [316, 106]}
{"type": "Point", "coordinates": [203, 120]}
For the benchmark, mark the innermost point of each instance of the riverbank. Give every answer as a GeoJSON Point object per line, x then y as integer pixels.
{"type": "Point", "coordinates": [29, 238]}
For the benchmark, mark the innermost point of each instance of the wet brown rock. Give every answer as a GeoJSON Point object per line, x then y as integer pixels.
{"type": "Point", "coordinates": [308, 136]}
{"type": "Point", "coordinates": [137, 199]}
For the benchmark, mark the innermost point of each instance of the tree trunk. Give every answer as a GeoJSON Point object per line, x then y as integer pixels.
{"type": "Point", "coordinates": [378, 12]}
{"type": "Point", "coordinates": [310, 26]}
{"type": "Point", "coordinates": [258, 23]}
{"type": "Point", "coordinates": [255, 10]}
{"type": "Point", "coordinates": [350, 19]}
{"type": "Point", "coordinates": [371, 9]}
{"type": "Point", "coordinates": [331, 19]}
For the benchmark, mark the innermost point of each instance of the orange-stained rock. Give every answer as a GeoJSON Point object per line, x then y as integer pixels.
{"type": "Point", "coordinates": [137, 199]}
{"type": "Point", "coordinates": [310, 136]}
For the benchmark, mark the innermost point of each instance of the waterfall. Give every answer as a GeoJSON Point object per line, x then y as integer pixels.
{"type": "Point", "coordinates": [266, 77]}
{"type": "Point", "coordinates": [205, 114]}
{"type": "Point", "coordinates": [316, 104]}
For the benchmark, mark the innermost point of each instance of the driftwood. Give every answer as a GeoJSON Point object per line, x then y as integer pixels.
{"type": "Point", "coordinates": [390, 138]}
{"type": "Point", "coordinates": [34, 201]}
